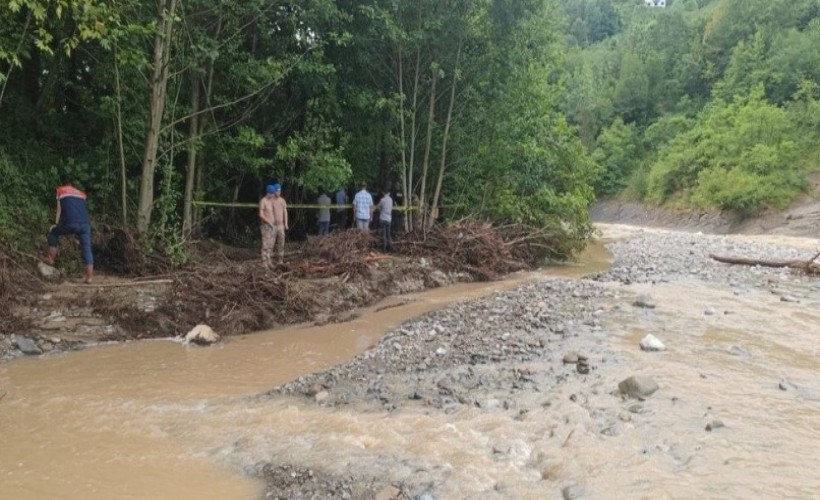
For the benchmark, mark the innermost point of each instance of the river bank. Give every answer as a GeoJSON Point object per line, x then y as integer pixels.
{"type": "Point", "coordinates": [494, 406]}
{"type": "Point", "coordinates": [324, 280]}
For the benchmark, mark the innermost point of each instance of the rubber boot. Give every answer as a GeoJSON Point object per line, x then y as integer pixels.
{"type": "Point", "coordinates": [89, 274]}
{"type": "Point", "coordinates": [50, 256]}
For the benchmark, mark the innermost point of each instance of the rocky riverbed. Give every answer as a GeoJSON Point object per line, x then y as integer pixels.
{"type": "Point", "coordinates": [532, 387]}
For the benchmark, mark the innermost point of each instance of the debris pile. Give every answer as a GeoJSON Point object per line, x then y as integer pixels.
{"type": "Point", "coordinates": [480, 249]}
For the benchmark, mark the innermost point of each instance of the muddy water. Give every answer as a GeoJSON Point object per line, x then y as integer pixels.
{"type": "Point", "coordinates": [157, 419]}
{"type": "Point", "coordinates": [728, 366]}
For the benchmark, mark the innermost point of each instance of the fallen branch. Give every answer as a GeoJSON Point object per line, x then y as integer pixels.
{"type": "Point", "coordinates": [807, 266]}
{"type": "Point", "coordinates": [124, 283]}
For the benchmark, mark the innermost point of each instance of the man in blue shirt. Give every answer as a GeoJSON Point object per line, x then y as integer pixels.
{"type": "Point", "coordinates": [71, 218]}
{"type": "Point", "coordinates": [363, 208]}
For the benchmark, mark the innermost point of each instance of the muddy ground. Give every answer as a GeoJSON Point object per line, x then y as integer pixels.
{"type": "Point", "coordinates": [737, 347]}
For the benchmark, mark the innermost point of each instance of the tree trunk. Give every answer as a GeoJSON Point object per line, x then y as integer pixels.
{"type": "Point", "coordinates": [159, 86]}
{"type": "Point", "coordinates": [120, 148]}
{"type": "Point", "coordinates": [431, 116]}
{"type": "Point", "coordinates": [445, 137]}
{"type": "Point", "coordinates": [405, 193]}
{"type": "Point", "coordinates": [190, 173]}
{"type": "Point", "coordinates": [409, 199]}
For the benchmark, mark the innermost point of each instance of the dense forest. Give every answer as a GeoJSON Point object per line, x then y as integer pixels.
{"type": "Point", "coordinates": [513, 110]}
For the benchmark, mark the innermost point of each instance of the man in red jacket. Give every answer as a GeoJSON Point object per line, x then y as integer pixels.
{"type": "Point", "coordinates": [71, 218]}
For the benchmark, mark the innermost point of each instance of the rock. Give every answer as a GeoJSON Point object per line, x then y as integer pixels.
{"type": "Point", "coordinates": [490, 404]}
{"type": "Point", "coordinates": [28, 346]}
{"type": "Point", "coordinates": [573, 492]}
{"type": "Point", "coordinates": [789, 298]}
{"type": "Point", "coordinates": [441, 351]}
{"type": "Point", "coordinates": [709, 311]}
{"type": "Point", "coordinates": [202, 335]}
{"type": "Point", "coordinates": [321, 396]}
{"type": "Point", "coordinates": [638, 386]}
{"type": "Point", "coordinates": [652, 343]}
{"type": "Point", "coordinates": [785, 385]}
{"type": "Point", "coordinates": [644, 301]}
{"type": "Point", "coordinates": [714, 424]}
{"type": "Point", "coordinates": [388, 493]}
{"type": "Point", "coordinates": [445, 385]}
{"type": "Point", "coordinates": [48, 273]}
{"type": "Point", "coordinates": [571, 358]}
{"type": "Point", "coordinates": [314, 389]}
{"type": "Point", "coordinates": [738, 350]}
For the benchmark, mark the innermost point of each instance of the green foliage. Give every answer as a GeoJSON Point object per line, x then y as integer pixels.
{"type": "Point", "coordinates": [739, 156]}
{"type": "Point", "coordinates": [19, 217]}
{"type": "Point", "coordinates": [616, 151]}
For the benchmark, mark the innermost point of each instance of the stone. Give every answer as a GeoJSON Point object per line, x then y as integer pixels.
{"type": "Point", "coordinates": [573, 492]}
{"type": "Point", "coordinates": [321, 396]}
{"type": "Point", "coordinates": [441, 351]}
{"type": "Point", "coordinates": [638, 387]}
{"type": "Point", "coordinates": [651, 343]}
{"type": "Point", "coordinates": [709, 311]}
{"type": "Point", "coordinates": [201, 335]}
{"type": "Point", "coordinates": [388, 493]}
{"type": "Point", "coordinates": [714, 424]}
{"type": "Point", "coordinates": [786, 385]}
{"type": "Point", "coordinates": [314, 389]}
{"type": "Point", "coordinates": [645, 301]}
{"type": "Point", "coordinates": [28, 346]}
{"type": "Point", "coordinates": [738, 350]}
{"type": "Point", "coordinates": [48, 273]}
{"type": "Point", "coordinates": [571, 358]}
{"type": "Point", "coordinates": [789, 298]}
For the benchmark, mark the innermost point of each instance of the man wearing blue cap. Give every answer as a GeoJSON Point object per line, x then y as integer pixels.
{"type": "Point", "coordinates": [273, 212]}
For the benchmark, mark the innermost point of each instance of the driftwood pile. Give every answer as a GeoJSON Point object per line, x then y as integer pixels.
{"type": "Point", "coordinates": [17, 283]}
{"type": "Point", "coordinates": [342, 253]}
{"type": "Point", "coordinates": [243, 296]}
{"type": "Point", "coordinates": [480, 249]}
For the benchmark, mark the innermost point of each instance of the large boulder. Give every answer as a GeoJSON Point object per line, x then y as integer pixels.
{"type": "Point", "coordinates": [638, 387]}
{"type": "Point", "coordinates": [202, 335]}
{"type": "Point", "coordinates": [28, 346]}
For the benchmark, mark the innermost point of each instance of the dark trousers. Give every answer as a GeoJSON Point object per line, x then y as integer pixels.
{"type": "Point", "coordinates": [83, 233]}
{"type": "Point", "coordinates": [324, 227]}
{"type": "Point", "coordinates": [341, 220]}
{"type": "Point", "coordinates": [387, 238]}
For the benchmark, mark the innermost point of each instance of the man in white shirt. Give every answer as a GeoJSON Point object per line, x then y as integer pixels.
{"type": "Point", "coordinates": [363, 208]}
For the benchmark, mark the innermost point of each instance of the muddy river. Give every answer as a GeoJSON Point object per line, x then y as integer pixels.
{"type": "Point", "coordinates": [158, 419]}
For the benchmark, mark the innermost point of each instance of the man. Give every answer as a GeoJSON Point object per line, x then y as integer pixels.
{"type": "Point", "coordinates": [341, 212]}
{"type": "Point", "coordinates": [273, 211]}
{"type": "Point", "coordinates": [397, 224]}
{"type": "Point", "coordinates": [71, 218]}
{"type": "Point", "coordinates": [363, 208]}
{"type": "Point", "coordinates": [385, 218]}
{"type": "Point", "coordinates": [324, 214]}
